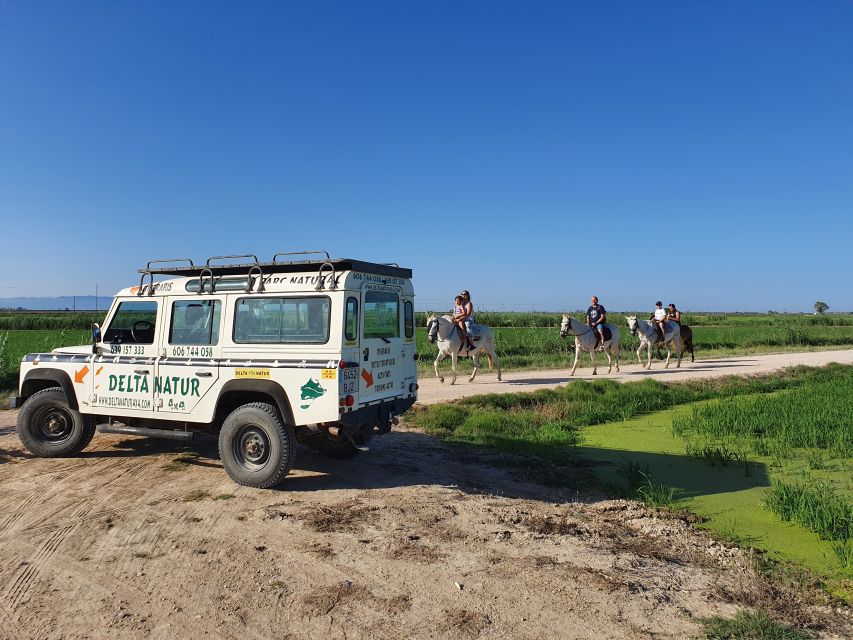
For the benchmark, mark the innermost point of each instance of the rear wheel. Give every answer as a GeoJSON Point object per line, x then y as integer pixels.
{"type": "Point", "coordinates": [49, 428]}
{"type": "Point", "coordinates": [256, 447]}
{"type": "Point", "coordinates": [333, 447]}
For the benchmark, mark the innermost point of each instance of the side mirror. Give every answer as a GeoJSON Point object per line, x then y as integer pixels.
{"type": "Point", "coordinates": [96, 336]}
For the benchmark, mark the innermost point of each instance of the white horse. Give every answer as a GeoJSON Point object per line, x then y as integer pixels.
{"type": "Point", "coordinates": [585, 340]}
{"type": "Point", "coordinates": [649, 336]}
{"type": "Point", "coordinates": [443, 333]}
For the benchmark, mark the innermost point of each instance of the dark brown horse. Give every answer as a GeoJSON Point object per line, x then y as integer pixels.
{"type": "Point", "coordinates": [686, 341]}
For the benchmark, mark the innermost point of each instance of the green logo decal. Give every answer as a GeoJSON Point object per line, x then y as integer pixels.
{"type": "Point", "coordinates": [311, 390]}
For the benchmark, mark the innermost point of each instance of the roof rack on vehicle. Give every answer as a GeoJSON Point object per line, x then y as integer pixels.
{"type": "Point", "coordinates": [299, 253]}
{"type": "Point", "coordinates": [244, 255]}
{"type": "Point", "coordinates": [256, 271]}
{"type": "Point", "coordinates": [148, 272]}
{"type": "Point", "coordinates": [167, 260]}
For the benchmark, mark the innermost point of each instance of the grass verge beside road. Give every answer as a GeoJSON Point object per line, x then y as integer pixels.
{"type": "Point", "coordinates": [776, 474]}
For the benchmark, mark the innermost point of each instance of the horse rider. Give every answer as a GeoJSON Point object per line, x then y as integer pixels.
{"type": "Point", "coordinates": [596, 316]}
{"type": "Point", "coordinates": [673, 313]}
{"type": "Point", "coordinates": [469, 311]}
{"type": "Point", "coordinates": [659, 317]}
{"type": "Point", "coordinates": [462, 321]}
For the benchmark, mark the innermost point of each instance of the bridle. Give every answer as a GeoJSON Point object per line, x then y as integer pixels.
{"type": "Point", "coordinates": [636, 328]}
{"type": "Point", "coordinates": [569, 329]}
{"type": "Point", "coordinates": [432, 330]}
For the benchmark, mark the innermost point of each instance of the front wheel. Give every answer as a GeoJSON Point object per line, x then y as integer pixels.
{"type": "Point", "coordinates": [49, 428]}
{"type": "Point", "coordinates": [256, 447]}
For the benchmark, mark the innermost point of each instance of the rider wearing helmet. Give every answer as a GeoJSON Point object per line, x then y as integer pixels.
{"type": "Point", "coordinates": [659, 316]}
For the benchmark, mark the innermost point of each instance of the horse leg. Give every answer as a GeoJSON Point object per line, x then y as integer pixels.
{"type": "Point", "coordinates": [640, 348]}
{"type": "Point", "coordinates": [493, 357]}
{"type": "Point", "coordinates": [592, 357]}
{"type": "Point", "coordinates": [679, 349]}
{"type": "Point", "coordinates": [649, 354]}
{"type": "Point", "coordinates": [476, 359]}
{"type": "Point", "coordinates": [609, 359]}
{"type": "Point", "coordinates": [441, 356]}
{"type": "Point", "coordinates": [577, 355]}
{"type": "Point", "coordinates": [668, 353]}
{"type": "Point", "coordinates": [618, 351]}
{"type": "Point", "coordinates": [454, 356]}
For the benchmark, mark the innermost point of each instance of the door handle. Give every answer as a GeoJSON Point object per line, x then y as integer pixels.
{"type": "Point", "coordinates": [204, 374]}
{"type": "Point", "coordinates": [141, 372]}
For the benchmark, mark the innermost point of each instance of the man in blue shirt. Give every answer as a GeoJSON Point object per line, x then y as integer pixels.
{"type": "Point", "coordinates": [596, 316]}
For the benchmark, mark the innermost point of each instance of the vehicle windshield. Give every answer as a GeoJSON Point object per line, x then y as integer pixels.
{"type": "Point", "coordinates": [134, 322]}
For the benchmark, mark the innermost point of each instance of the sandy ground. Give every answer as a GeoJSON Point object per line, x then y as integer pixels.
{"type": "Point", "coordinates": [415, 539]}
{"type": "Point", "coordinates": [431, 390]}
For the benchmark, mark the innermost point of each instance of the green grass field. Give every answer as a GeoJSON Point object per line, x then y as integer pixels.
{"type": "Point", "coordinates": [538, 347]}
{"type": "Point", "coordinates": [767, 460]}
{"type": "Point", "coordinates": [700, 319]}
{"type": "Point", "coordinates": [15, 344]}
{"type": "Point", "coordinates": [524, 340]}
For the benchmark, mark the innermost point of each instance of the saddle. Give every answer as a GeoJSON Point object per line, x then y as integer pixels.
{"type": "Point", "coordinates": [608, 334]}
{"type": "Point", "coordinates": [475, 332]}
{"type": "Point", "coordinates": [658, 333]}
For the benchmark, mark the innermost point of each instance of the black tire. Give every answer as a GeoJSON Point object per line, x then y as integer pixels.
{"type": "Point", "coordinates": [337, 448]}
{"type": "Point", "coordinates": [49, 428]}
{"type": "Point", "coordinates": [256, 447]}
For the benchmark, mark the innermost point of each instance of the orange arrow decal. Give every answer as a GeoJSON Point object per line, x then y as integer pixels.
{"type": "Point", "coordinates": [367, 376]}
{"type": "Point", "coordinates": [80, 375]}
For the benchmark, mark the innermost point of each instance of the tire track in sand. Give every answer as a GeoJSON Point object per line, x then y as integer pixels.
{"type": "Point", "coordinates": [30, 570]}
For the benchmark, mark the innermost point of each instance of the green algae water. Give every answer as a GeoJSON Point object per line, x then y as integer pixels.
{"type": "Point", "coordinates": [731, 494]}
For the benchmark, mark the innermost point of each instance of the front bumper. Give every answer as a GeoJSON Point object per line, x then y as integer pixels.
{"type": "Point", "coordinates": [15, 402]}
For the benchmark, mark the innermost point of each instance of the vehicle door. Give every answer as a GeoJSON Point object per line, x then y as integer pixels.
{"type": "Point", "coordinates": [381, 344]}
{"type": "Point", "coordinates": [123, 372]}
{"type": "Point", "coordinates": [350, 376]}
{"type": "Point", "coordinates": [190, 347]}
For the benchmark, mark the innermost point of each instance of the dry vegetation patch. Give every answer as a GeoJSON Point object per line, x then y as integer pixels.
{"type": "Point", "coordinates": [323, 600]}
{"type": "Point", "coordinates": [413, 550]}
{"type": "Point", "coordinates": [348, 516]}
{"type": "Point", "coordinates": [468, 624]}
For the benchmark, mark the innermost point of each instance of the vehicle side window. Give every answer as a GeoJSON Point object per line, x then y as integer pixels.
{"type": "Point", "coordinates": [381, 314]}
{"type": "Point", "coordinates": [195, 322]}
{"type": "Point", "coordinates": [282, 320]}
{"type": "Point", "coordinates": [351, 320]}
{"type": "Point", "coordinates": [133, 323]}
{"type": "Point", "coordinates": [409, 318]}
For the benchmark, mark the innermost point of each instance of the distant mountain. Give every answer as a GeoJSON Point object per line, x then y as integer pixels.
{"type": "Point", "coordinates": [80, 303]}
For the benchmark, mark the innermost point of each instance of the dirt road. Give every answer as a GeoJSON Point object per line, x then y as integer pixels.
{"type": "Point", "coordinates": [431, 390]}
{"type": "Point", "coordinates": [142, 538]}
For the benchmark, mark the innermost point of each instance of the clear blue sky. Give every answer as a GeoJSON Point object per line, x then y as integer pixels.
{"type": "Point", "coordinates": [534, 153]}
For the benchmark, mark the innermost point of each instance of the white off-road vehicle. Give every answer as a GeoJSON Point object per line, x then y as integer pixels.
{"type": "Point", "coordinates": [320, 351]}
